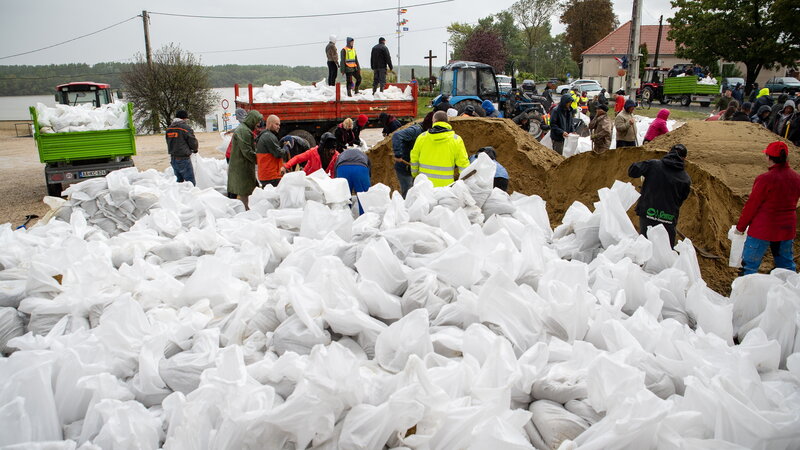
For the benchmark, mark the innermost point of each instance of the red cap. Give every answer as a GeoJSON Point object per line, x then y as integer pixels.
{"type": "Point", "coordinates": [362, 120]}
{"type": "Point", "coordinates": [774, 149]}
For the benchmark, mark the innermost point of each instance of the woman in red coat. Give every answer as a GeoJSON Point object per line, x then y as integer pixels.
{"type": "Point", "coordinates": [620, 101]}
{"type": "Point", "coordinates": [770, 213]}
{"type": "Point", "coordinates": [322, 156]}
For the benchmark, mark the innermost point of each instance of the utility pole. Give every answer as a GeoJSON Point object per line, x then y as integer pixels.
{"type": "Point", "coordinates": [398, 40]}
{"type": "Point", "coordinates": [446, 54]}
{"type": "Point", "coordinates": [430, 58]}
{"type": "Point", "coordinates": [148, 51]}
{"type": "Point", "coordinates": [658, 49]}
{"type": "Point", "coordinates": [633, 50]}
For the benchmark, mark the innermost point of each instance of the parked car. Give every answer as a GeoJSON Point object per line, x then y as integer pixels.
{"type": "Point", "coordinates": [529, 86]}
{"type": "Point", "coordinates": [591, 87]}
{"type": "Point", "coordinates": [503, 83]}
{"type": "Point", "coordinates": [787, 85]}
{"type": "Point", "coordinates": [730, 82]}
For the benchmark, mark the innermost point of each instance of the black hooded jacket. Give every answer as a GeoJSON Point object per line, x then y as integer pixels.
{"type": "Point", "coordinates": [666, 186]}
{"type": "Point", "coordinates": [561, 119]}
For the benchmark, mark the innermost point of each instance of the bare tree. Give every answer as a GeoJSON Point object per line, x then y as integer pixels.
{"type": "Point", "coordinates": [175, 81]}
{"type": "Point", "coordinates": [533, 17]}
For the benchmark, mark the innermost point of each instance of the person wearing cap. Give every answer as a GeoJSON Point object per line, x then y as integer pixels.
{"type": "Point", "coordinates": [469, 110]}
{"type": "Point", "coordinates": [619, 101]}
{"type": "Point", "coordinates": [743, 114]}
{"type": "Point", "coordinates": [361, 123]}
{"type": "Point", "coordinates": [769, 216]}
{"type": "Point", "coordinates": [438, 152]}
{"type": "Point", "coordinates": [294, 144]}
{"type": "Point", "coordinates": [350, 67]}
{"type": "Point", "coordinates": [402, 143]}
{"type": "Point", "coordinates": [181, 144]}
{"type": "Point", "coordinates": [345, 136]}
{"type": "Point", "coordinates": [500, 172]}
{"type": "Point", "coordinates": [242, 167]}
{"type": "Point", "coordinates": [333, 61]}
{"type": "Point", "coordinates": [323, 156]}
{"type": "Point", "coordinates": [379, 60]}
{"type": "Point", "coordinates": [626, 126]}
{"type": "Point", "coordinates": [666, 186]}
{"type": "Point", "coordinates": [269, 153]}
{"type": "Point", "coordinates": [601, 129]}
{"type": "Point", "coordinates": [389, 122]}
{"type": "Point", "coordinates": [561, 124]}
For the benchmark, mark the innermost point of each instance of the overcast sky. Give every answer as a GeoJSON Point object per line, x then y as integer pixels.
{"type": "Point", "coordinates": [29, 25]}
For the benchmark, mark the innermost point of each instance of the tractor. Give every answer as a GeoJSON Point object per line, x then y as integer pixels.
{"type": "Point", "coordinates": [469, 84]}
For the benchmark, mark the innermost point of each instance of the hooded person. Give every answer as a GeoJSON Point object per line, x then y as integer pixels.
{"type": "Point", "coordinates": [561, 123]}
{"type": "Point", "coordinates": [762, 115]}
{"type": "Point", "coordinates": [350, 66]}
{"type": "Point", "coordinates": [601, 128]}
{"type": "Point", "coordinates": [438, 152]}
{"type": "Point", "coordinates": [777, 109]}
{"type": "Point", "coordinates": [333, 60]}
{"type": "Point", "coordinates": [658, 126]}
{"type": "Point", "coordinates": [389, 122]}
{"type": "Point", "coordinates": [323, 156]}
{"type": "Point", "coordinates": [666, 186]}
{"type": "Point", "coordinates": [444, 104]}
{"type": "Point", "coordinates": [500, 172]}
{"type": "Point", "coordinates": [242, 167]}
{"type": "Point", "coordinates": [783, 119]}
{"type": "Point", "coordinates": [491, 111]}
{"type": "Point", "coordinates": [762, 99]}
{"type": "Point", "coordinates": [240, 114]}
{"type": "Point", "coordinates": [769, 216]}
{"type": "Point", "coordinates": [626, 126]}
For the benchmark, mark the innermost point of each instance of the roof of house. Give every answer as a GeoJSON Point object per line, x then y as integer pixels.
{"type": "Point", "coordinates": [616, 42]}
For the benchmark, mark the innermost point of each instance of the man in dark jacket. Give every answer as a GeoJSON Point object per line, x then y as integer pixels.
{"type": "Point", "coordinates": [389, 122]}
{"type": "Point", "coordinates": [738, 93]}
{"type": "Point", "coordinates": [601, 97]}
{"type": "Point", "coordinates": [777, 107]}
{"type": "Point", "coordinates": [769, 217]}
{"type": "Point", "coordinates": [743, 114]}
{"type": "Point", "coordinates": [379, 60]}
{"type": "Point", "coordinates": [333, 61]}
{"type": "Point", "coordinates": [402, 143]}
{"type": "Point", "coordinates": [294, 144]}
{"type": "Point", "coordinates": [350, 66]}
{"type": "Point", "coordinates": [181, 143]}
{"type": "Point", "coordinates": [270, 156]}
{"type": "Point", "coordinates": [561, 123]}
{"type": "Point", "coordinates": [762, 99]}
{"type": "Point", "coordinates": [666, 186]}
{"type": "Point", "coordinates": [762, 115]}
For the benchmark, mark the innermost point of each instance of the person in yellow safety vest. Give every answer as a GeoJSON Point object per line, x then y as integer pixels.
{"type": "Point", "coordinates": [575, 99]}
{"type": "Point", "coordinates": [350, 67]}
{"type": "Point", "coordinates": [438, 151]}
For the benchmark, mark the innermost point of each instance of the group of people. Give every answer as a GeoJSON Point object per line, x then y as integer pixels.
{"type": "Point", "coordinates": [346, 61]}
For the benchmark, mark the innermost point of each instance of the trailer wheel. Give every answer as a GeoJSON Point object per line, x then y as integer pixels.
{"type": "Point", "coordinates": [54, 189]}
{"type": "Point", "coordinates": [686, 100]}
{"type": "Point", "coordinates": [305, 135]}
{"type": "Point", "coordinates": [663, 100]}
{"type": "Point", "coordinates": [462, 105]}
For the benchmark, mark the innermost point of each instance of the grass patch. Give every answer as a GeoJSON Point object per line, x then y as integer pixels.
{"type": "Point", "coordinates": [423, 106]}
{"type": "Point", "coordinates": [674, 114]}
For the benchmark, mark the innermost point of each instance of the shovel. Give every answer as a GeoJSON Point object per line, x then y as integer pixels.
{"type": "Point", "coordinates": [704, 253]}
{"type": "Point", "coordinates": [28, 218]}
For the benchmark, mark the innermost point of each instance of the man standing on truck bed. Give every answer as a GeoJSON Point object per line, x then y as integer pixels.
{"type": "Point", "coordinates": [350, 66]}
{"type": "Point", "coordinates": [181, 143]}
{"type": "Point", "coordinates": [378, 61]}
{"type": "Point", "coordinates": [333, 62]}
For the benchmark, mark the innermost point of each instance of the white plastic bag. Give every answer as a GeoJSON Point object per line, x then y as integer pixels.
{"type": "Point", "coordinates": [408, 336]}
{"type": "Point", "coordinates": [737, 247]}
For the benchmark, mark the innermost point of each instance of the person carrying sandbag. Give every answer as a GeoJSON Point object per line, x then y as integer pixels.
{"type": "Point", "coordinates": [666, 186]}
{"type": "Point", "coordinates": [770, 213]}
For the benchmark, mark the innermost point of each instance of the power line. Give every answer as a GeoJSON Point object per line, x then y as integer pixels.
{"type": "Point", "coordinates": [70, 40]}
{"type": "Point", "coordinates": [309, 43]}
{"type": "Point", "coordinates": [305, 16]}
{"type": "Point", "coordinates": [80, 75]}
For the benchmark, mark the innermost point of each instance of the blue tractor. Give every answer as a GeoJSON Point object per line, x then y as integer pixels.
{"type": "Point", "coordinates": [469, 84]}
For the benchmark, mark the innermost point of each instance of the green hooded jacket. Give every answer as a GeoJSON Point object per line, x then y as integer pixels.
{"type": "Point", "coordinates": [242, 166]}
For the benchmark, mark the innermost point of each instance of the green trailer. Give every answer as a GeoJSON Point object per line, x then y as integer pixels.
{"type": "Point", "coordinates": [72, 157]}
{"type": "Point", "coordinates": [687, 90]}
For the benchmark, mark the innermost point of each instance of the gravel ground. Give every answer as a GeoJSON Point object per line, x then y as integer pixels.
{"type": "Point", "coordinates": [22, 184]}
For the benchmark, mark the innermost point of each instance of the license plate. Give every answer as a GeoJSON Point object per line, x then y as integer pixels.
{"type": "Point", "coordinates": [92, 173]}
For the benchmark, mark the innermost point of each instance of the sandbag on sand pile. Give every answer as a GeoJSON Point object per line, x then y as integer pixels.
{"type": "Point", "coordinates": [290, 91]}
{"type": "Point", "coordinates": [454, 318]}
{"type": "Point", "coordinates": [84, 117]}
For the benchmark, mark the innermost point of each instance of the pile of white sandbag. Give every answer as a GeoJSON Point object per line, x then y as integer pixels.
{"type": "Point", "coordinates": [84, 117]}
{"type": "Point", "coordinates": [453, 318]}
{"type": "Point", "coordinates": [290, 91]}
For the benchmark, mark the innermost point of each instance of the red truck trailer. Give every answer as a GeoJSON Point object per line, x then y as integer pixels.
{"type": "Point", "coordinates": [310, 119]}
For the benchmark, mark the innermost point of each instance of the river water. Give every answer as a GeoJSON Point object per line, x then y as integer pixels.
{"type": "Point", "coordinates": [16, 107]}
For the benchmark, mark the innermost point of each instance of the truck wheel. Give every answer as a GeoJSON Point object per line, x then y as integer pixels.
{"type": "Point", "coordinates": [305, 135]}
{"type": "Point", "coordinates": [686, 100]}
{"type": "Point", "coordinates": [705, 104]}
{"type": "Point", "coordinates": [54, 189]}
{"type": "Point", "coordinates": [462, 105]}
{"type": "Point", "coordinates": [663, 100]}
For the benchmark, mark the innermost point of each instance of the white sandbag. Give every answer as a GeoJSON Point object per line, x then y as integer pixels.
{"type": "Point", "coordinates": [737, 247]}
{"type": "Point", "coordinates": [556, 424]}
{"type": "Point", "coordinates": [378, 264]}
{"type": "Point", "coordinates": [408, 336]}
{"type": "Point", "coordinates": [11, 326]}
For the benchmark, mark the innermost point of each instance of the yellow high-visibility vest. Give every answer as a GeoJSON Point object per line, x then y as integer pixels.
{"type": "Point", "coordinates": [437, 153]}
{"type": "Point", "coordinates": [350, 57]}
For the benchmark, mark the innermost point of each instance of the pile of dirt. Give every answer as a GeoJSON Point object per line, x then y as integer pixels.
{"type": "Point", "coordinates": [724, 158]}
{"type": "Point", "coordinates": [526, 160]}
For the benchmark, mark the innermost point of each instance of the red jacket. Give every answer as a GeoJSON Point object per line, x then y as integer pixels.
{"type": "Point", "coordinates": [620, 104]}
{"type": "Point", "coordinates": [771, 209]}
{"type": "Point", "coordinates": [313, 162]}
{"type": "Point", "coordinates": [658, 127]}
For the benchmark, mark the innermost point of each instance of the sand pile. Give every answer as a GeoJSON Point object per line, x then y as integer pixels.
{"type": "Point", "coordinates": [525, 158]}
{"type": "Point", "coordinates": [724, 159]}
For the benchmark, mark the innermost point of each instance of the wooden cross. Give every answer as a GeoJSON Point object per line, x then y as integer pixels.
{"type": "Point", "coordinates": [430, 67]}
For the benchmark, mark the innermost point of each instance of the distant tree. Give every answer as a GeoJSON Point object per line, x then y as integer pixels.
{"type": "Point", "coordinates": [175, 81]}
{"type": "Point", "coordinates": [533, 18]}
{"type": "Point", "coordinates": [501, 24]}
{"type": "Point", "coordinates": [485, 46]}
{"type": "Point", "coordinates": [553, 58]}
{"type": "Point", "coordinates": [587, 22]}
{"type": "Point", "coordinates": [759, 34]}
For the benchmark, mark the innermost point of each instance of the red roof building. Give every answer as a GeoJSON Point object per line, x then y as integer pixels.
{"type": "Point", "coordinates": [616, 42]}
